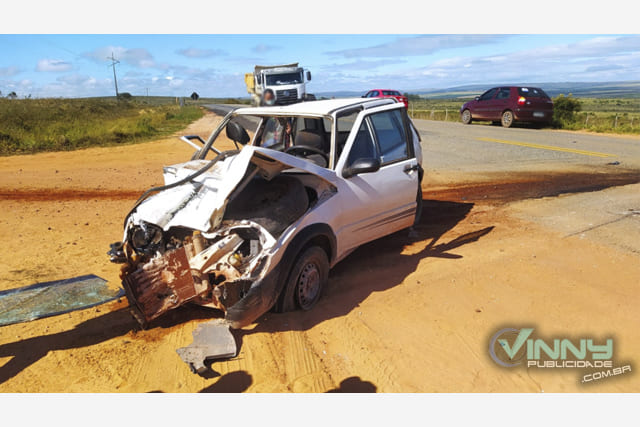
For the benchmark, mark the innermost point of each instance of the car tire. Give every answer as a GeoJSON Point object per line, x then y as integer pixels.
{"type": "Point", "coordinates": [507, 119]}
{"type": "Point", "coordinates": [308, 277]}
{"type": "Point", "coordinates": [466, 117]}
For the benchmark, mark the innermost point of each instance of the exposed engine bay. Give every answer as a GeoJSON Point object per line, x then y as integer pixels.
{"type": "Point", "coordinates": [208, 240]}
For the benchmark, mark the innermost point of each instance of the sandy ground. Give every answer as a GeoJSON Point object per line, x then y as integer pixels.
{"type": "Point", "coordinates": [401, 314]}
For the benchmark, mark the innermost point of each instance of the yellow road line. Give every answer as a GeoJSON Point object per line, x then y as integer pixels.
{"type": "Point", "coordinates": [548, 147]}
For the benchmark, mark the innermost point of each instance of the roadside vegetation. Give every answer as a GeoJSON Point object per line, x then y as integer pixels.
{"type": "Point", "coordinates": [36, 125]}
{"type": "Point", "coordinates": [606, 115]}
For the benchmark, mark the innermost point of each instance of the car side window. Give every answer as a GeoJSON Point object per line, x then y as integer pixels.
{"type": "Point", "coordinates": [390, 134]}
{"type": "Point", "coordinates": [363, 146]}
{"type": "Point", "coordinates": [504, 93]}
{"type": "Point", "coordinates": [488, 94]}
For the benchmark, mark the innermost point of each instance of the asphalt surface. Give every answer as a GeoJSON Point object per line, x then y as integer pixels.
{"type": "Point", "coordinates": [479, 148]}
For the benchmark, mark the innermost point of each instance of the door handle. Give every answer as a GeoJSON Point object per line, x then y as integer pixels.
{"type": "Point", "coordinates": [410, 168]}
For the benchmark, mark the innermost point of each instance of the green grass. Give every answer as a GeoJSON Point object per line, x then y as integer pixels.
{"type": "Point", "coordinates": [36, 125]}
{"type": "Point", "coordinates": [596, 115]}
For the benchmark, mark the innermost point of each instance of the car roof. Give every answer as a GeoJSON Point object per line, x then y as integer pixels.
{"type": "Point", "coordinates": [515, 86]}
{"type": "Point", "coordinates": [323, 107]}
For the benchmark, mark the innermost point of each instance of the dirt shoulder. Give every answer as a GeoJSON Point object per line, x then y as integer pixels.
{"type": "Point", "coordinates": [406, 313]}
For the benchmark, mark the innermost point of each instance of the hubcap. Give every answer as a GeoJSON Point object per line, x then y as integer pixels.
{"type": "Point", "coordinates": [465, 115]}
{"type": "Point", "coordinates": [506, 118]}
{"type": "Point", "coordinates": [308, 285]}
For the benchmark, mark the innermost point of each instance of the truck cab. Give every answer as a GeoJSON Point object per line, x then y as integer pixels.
{"type": "Point", "coordinates": [288, 83]}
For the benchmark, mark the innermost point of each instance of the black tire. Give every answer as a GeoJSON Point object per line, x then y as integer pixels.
{"type": "Point", "coordinates": [466, 117]}
{"type": "Point", "coordinates": [507, 119]}
{"type": "Point", "coordinates": [308, 277]}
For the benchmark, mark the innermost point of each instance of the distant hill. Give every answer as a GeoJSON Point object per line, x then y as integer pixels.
{"type": "Point", "coordinates": [341, 94]}
{"type": "Point", "coordinates": [628, 89]}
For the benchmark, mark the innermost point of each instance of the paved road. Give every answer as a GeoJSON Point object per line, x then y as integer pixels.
{"type": "Point", "coordinates": [478, 148]}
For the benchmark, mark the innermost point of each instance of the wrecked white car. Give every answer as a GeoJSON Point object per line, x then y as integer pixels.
{"type": "Point", "coordinates": [258, 227]}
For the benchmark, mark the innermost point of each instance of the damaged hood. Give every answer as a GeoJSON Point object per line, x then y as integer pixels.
{"type": "Point", "coordinates": [200, 203]}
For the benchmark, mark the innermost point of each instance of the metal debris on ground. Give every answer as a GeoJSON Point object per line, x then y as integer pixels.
{"type": "Point", "coordinates": [54, 298]}
{"type": "Point", "coordinates": [211, 340]}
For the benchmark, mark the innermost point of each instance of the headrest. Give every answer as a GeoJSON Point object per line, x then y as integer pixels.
{"type": "Point", "coordinates": [309, 139]}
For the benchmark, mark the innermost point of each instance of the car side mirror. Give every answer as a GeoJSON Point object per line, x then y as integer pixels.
{"type": "Point", "coordinates": [363, 165]}
{"type": "Point", "coordinates": [309, 75]}
{"type": "Point", "coordinates": [237, 133]}
{"type": "Point", "coordinates": [477, 98]}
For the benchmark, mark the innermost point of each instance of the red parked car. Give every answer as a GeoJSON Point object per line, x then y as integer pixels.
{"type": "Point", "coordinates": [509, 104]}
{"type": "Point", "coordinates": [387, 93]}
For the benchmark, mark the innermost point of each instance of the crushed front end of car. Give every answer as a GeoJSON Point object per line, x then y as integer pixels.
{"type": "Point", "coordinates": [210, 236]}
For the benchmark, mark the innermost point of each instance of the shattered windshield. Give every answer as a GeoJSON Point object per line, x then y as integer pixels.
{"type": "Point", "coordinates": [306, 137]}
{"type": "Point", "coordinates": [284, 79]}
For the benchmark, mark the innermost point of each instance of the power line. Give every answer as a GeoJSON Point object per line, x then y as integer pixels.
{"type": "Point", "coordinates": [114, 61]}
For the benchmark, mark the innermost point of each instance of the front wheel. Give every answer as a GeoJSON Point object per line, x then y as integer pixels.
{"type": "Point", "coordinates": [466, 117]}
{"type": "Point", "coordinates": [507, 119]}
{"type": "Point", "coordinates": [308, 277]}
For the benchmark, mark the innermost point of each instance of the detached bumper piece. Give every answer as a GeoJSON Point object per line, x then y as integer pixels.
{"type": "Point", "coordinates": [212, 340]}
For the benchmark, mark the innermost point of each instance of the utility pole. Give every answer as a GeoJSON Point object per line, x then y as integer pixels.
{"type": "Point", "coordinates": [113, 64]}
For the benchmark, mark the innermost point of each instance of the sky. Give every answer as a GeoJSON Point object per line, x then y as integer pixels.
{"type": "Point", "coordinates": [46, 64]}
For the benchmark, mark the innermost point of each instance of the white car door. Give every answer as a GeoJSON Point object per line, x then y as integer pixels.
{"type": "Point", "coordinates": [378, 203]}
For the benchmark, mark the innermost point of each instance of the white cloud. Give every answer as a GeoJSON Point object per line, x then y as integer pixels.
{"type": "Point", "coordinates": [200, 53]}
{"type": "Point", "coordinates": [362, 64]}
{"type": "Point", "coordinates": [53, 65]}
{"type": "Point", "coordinates": [136, 57]}
{"type": "Point", "coordinates": [9, 71]}
{"type": "Point", "coordinates": [418, 46]}
{"type": "Point", "coordinates": [597, 59]}
{"type": "Point", "coordinates": [264, 48]}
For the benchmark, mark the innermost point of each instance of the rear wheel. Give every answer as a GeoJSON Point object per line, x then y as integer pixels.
{"type": "Point", "coordinates": [466, 117]}
{"type": "Point", "coordinates": [507, 119]}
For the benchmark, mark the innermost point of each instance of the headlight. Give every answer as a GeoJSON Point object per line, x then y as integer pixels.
{"type": "Point", "coordinates": [145, 237]}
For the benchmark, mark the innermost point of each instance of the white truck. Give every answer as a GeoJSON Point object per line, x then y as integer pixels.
{"type": "Point", "coordinates": [286, 81]}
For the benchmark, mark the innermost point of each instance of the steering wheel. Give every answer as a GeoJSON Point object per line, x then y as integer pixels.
{"type": "Point", "coordinates": [304, 148]}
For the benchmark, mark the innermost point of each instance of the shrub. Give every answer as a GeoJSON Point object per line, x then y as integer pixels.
{"type": "Point", "coordinates": [564, 110]}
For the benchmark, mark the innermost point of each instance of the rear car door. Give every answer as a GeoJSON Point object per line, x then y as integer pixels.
{"type": "Point", "coordinates": [378, 203]}
{"type": "Point", "coordinates": [499, 103]}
